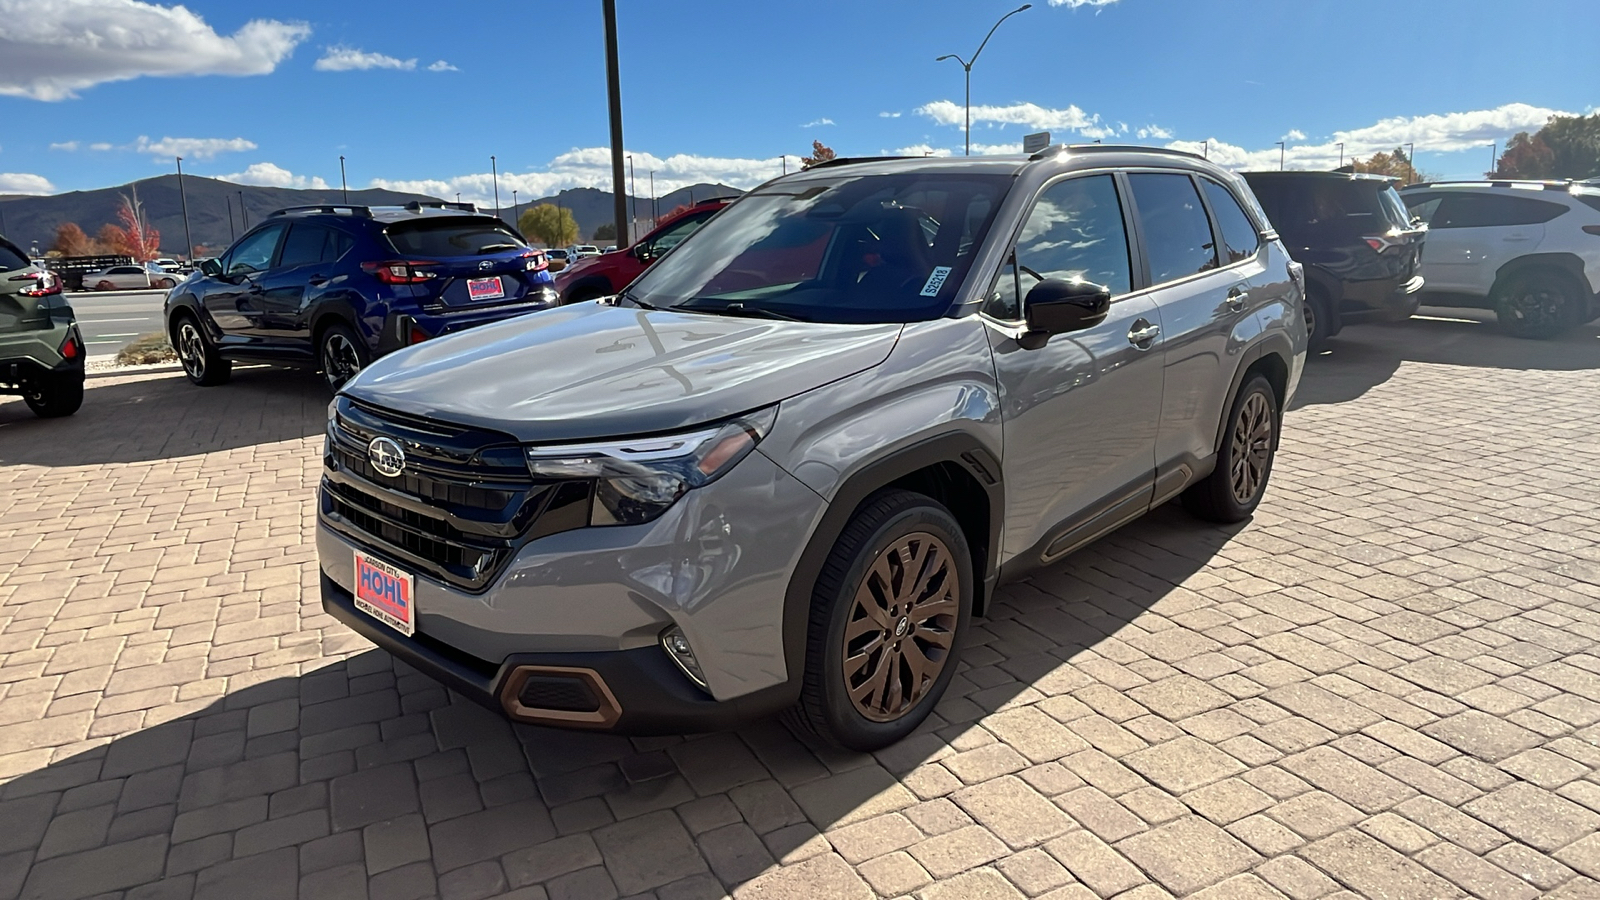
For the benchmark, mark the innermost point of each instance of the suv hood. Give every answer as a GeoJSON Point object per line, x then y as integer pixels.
{"type": "Point", "coordinates": [592, 371]}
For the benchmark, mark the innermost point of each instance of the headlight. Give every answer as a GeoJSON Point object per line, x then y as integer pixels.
{"type": "Point", "coordinates": [638, 479]}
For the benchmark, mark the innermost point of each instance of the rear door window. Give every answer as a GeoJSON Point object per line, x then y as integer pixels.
{"type": "Point", "coordinates": [1464, 210]}
{"type": "Point", "coordinates": [1238, 232]}
{"type": "Point", "coordinates": [11, 258]}
{"type": "Point", "coordinates": [1177, 234]}
{"type": "Point", "coordinates": [453, 236]}
{"type": "Point", "coordinates": [303, 246]}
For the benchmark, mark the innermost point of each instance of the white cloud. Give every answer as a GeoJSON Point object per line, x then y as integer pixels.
{"type": "Point", "coordinates": [68, 146]}
{"type": "Point", "coordinates": [100, 146]}
{"type": "Point", "coordinates": [1294, 134]}
{"type": "Point", "coordinates": [1031, 115]}
{"type": "Point", "coordinates": [442, 66]}
{"type": "Point", "coordinates": [1437, 133]}
{"type": "Point", "coordinates": [345, 59]}
{"type": "Point", "coordinates": [52, 50]}
{"type": "Point", "coordinates": [815, 122]}
{"type": "Point", "coordinates": [24, 183]}
{"type": "Point", "coordinates": [921, 150]}
{"type": "Point", "coordinates": [1074, 4]}
{"type": "Point", "coordinates": [1153, 131]}
{"type": "Point", "coordinates": [269, 175]}
{"type": "Point", "coordinates": [591, 167]}
{"type": "Point", "coordinates": [191, 148]}
{"type": "Point", "coordinates": [889, 115]}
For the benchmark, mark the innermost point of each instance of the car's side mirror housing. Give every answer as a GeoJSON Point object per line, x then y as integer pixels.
{"type": "Point", "coordinates": [210, 267]}
{"type": "Point", "coordinates": [1055, 306]}
{"type": "Point", "coordinates": [644, 252]}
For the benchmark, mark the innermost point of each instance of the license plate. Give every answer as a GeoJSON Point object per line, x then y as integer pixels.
{"type": "Point", "coordinates": [386, 593]}
{"type": "Point", "coordinates": [485, 288]}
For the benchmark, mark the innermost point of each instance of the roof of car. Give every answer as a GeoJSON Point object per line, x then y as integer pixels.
{"type": "Point", "coordinates": [1074, 155]}
{"type": "Point", "coordinates": [1332, 176]}
{"type": "Point", "coordinates": [1512, 183]}
{"type": "Point", "coordinates": [416, 209]}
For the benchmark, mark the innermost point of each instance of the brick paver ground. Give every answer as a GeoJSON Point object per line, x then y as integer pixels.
{"type": "Point", "coordinates": [1385, 685]}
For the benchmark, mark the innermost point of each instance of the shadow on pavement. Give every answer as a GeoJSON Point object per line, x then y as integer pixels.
{"type": "Point", "coordinates": [164, 416]}
{"type": "Point", "coordinates": [1367, 355]}
{"type": "Point", "coordinates": [366, 779]}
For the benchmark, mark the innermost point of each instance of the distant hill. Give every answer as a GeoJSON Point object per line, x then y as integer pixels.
{"type": "Point", "coordinates": [28, 219]}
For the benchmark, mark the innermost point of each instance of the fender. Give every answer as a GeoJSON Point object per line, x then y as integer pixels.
{"type": "Point", "coordinates": [189, 303]}
{"type": "Point", "coordinates": [1568, 264]}
{"type": "Point", "coordinates": [332, 308]}
{"type": "Point", "coordinates": [600, 282]}
{"type": "Point", "coordinates": [1270, 344]}
{"type": "Point", "coordinates": [963, 450]}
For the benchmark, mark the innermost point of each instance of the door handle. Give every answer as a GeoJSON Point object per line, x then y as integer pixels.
{"type": "Point", "coordinates": [1237, 297]}
{"type": "Point", "coordinates": [1143, 333]}
{"type": "Point", "coordinates": [317, 280]}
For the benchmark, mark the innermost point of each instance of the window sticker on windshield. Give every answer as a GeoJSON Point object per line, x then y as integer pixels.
{"type": "Point", "coordinates": [935, 281]}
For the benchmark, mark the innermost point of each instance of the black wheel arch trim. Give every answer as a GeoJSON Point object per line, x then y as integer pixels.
{"type": "Point", "coordinates": [957, 448]}
{"type": "Point", "coordinates": [1270, 344]}
{"type": "Point", "coordinates": [1568, 264]}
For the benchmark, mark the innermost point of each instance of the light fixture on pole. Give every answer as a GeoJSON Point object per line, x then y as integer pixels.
{"type": "Point", "coordinates": [967, 66]}
{"type": "Point", "coordinates": [513, 206]}
{"type": "Point", "coordinates": [495, 172]}
{"type": "Point", "coordinates": [1280, 156]}
{"type": "Point", "coordinates": [1341, 154]}
{"type": "Point", "coordinates": [183, 198]}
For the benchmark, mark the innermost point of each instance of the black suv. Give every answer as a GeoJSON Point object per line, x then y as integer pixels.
{"type": "Point", "coordinates": [1361, 248]}
{"type": "Point", "coordinates": [337, 286]}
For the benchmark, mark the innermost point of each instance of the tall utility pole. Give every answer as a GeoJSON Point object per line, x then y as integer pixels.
{"type": "Point", "coordinates": [785, 159]}
{"type": "Point", "coordinates": [1341, 154]}
{"type": "Point", "coordinates": [343, 186]}
{"type": "Point", "coordinates": [513, 206]}
{"type": "Point", "coordinates": [244, 214]}
{"type": "Point", "coordinates": [655, 212]}
{"type": "Point", "coordinates": [1280, 156]}
{"type": "Point", "coordinates": [614, 104]}
{"type": "Point", "coordinates": [495, 171]}
{"type": "Point", "coordinates": [183, 198]}
{"type": "Point", "coordinates": [1411, 159]}
{"type": "Point", "coordinates": [229, 201]}
{"type": "Point", "coordinates": [967, 65]}
{"type": "Point", "coordinates": [633, 204]}
{"type": "Point", "coordinates": [1494, 155]}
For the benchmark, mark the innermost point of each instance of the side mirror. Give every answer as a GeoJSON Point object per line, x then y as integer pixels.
{"type": "Point", "coordinates": [210, 267]}
{"type": "Point", "coordinates": [1055, 306]}
{"type": "Point", "coordinates": [644, 252]}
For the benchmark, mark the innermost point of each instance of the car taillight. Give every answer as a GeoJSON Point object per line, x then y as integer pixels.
{"type": "Point", "coordinates": [47, 283]}
{"type": "Point", "coordinates": [399, 271]}
{"type": "Point", "coordinates": [1591, 229]}
{"type": "Point", "coordinates": [536, 261]}
{"type": "Point", "coordinates": [70, 348]}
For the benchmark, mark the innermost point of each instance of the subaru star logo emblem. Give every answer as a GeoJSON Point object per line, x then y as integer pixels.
{"type": "Point", "coordinates": [386, 456]}
{"type": "Point", "coordinates": [486, 264]}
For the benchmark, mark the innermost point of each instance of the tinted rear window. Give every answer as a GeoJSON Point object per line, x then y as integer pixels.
{"type": "Point", "coordinates": [11, 258]}
{"type": "Point", "coordinates": [455, 236]}
{"type": "Point", "coordinates": [1300, 203]}
{"type": "Point", "coordinates": [1464, 210]}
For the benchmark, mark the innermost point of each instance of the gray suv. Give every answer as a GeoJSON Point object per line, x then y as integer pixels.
{"type": "Point", "coordinates": [786, 467]}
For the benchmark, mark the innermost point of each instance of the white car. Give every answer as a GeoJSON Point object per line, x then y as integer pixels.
{"type": "Point", "coordinates": [579, 251]}
{"type": "Point", "coordinates": [117, 278]}
{"type": "Point", "coordinates": [1529, 250]}
{"type": "Point", "coordinates": [162, 276]}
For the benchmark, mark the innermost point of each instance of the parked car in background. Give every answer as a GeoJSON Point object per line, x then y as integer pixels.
{"type": "Point", "coordinates": [162, 277]}
{"type": "Point", "coordinates": [1529, 250]}
{"type": "Point", "coordinates": [1361, 249]}
{"type": "Point", "coordinates": [559, 258]}
{"type": "Point", "coordinates": [579, 251]}
{"type": "Point", "coordinates": [610, 249]}
{"type": "Point", "coordinates": [338, 286]}
{"type": "Point", "coordinates": [117, 278]}
{"type": "Point", "coordinates": [788, 466]}
{"type": "Point", "coordinates": [41, 350]}
{"type": "Point", "coordinates": [609, 273]}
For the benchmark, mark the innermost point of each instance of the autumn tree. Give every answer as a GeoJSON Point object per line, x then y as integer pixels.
{"type": "Point", "coordinates": [1526, 156]}
{"type": "Point", "coordinates": [1566, 147]}
{"type": "Point", "coordinates": [820, 153]}
{"type": "Point", "coordinates": [143, 242]}
{"type": "Point", "coordinates": [112, 239]}
{"type": "Point", "coordinates": [71, 240]}
{"type": "Point", "coordinates": [549, 224]}
{"type": "Point", "coordinates": [606, 232]}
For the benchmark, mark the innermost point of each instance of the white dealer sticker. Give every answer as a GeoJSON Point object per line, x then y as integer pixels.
{"type": "Point", "coordinates": [935, 281]}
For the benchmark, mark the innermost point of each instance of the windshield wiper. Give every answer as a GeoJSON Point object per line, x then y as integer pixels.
{"type": "Point", "coordinates": [736, 308]}
{"type": "Point", "coordinates": [488, 248]}
{"type": "Point", "coordinates": [628, 296]}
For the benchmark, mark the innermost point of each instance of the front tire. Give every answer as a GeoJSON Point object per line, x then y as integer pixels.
{"type": "Point", "coordinates": [1537, 305]}
{"type": "Point", "coordinates": [202, 364]}
{"type": "Point", "coordinates": [55, 395]}
{"type": "Point", "coordinates": [889, 613]}
{"type": "Point", "coordinates": [1320, 322]}
{"type": "Point", "coordinates": [1235, 487]}
{"type": "Point", "coordinates": [343, 355]}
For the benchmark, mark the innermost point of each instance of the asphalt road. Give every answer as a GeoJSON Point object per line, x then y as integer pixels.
{"type": "Point", "coordinates": [111, 319]}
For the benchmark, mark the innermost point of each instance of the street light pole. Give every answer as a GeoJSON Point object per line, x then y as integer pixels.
{"type": "Point", "coordinates": [1341, 154]}
{"type": "Point", "coordinates": [1280, 156]}
{"type": "Point", "coordinates": [183, 198]}
{"type": "Point", "coordinates": [229, 200]}
{"type": "Point", "coordinates": [1411, 159]}
{"type": "Point", "coordinates": [614, 105]}
{"type": "Point", "coordinates": [244, 214]}
{"type": "Point", "coordinates": [967, 66]}
{"type": "Point", "coordinates": [1494, 151]}
{"type": "Point", "coordinates": [654, 212]}
{"type": "Point", "coordinates": [513, 206]}
{"type": "Point", "coordinates": [633, 204]}
{"type": "Point", "coordinates": [344, 186]}
{"type": "Point", "coordinates": [495, 171]}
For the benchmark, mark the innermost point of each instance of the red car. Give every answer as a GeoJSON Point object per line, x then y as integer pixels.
{"type": "Point", "coordinates": [609, 273]}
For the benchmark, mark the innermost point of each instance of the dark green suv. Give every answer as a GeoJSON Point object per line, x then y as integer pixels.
{"type": "Point", "coordinates": [41, 351]}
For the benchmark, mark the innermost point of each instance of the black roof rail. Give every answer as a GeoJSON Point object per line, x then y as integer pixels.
{"type": "Point", "coordinates": [363, 211]}
{"type": "Point", "coordinates": [1544, 184]}
{"type": "Point", "coordinates": [1111, 148]}
{"type": "Point", "coordinates": [853, 160]}
{"type": "Point", "coordinates": [420, 205]}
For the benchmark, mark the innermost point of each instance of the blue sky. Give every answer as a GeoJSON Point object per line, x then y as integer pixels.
{"type": "Point", "coordinates": [419, 95]}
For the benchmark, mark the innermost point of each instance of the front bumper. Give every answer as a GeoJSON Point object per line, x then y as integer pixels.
{"type": "Point", "coordinates": [638, 691]}
{"type": "Point", "coordinates": [1383, 299]}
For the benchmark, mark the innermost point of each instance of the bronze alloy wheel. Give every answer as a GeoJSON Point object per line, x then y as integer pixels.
{"type": "Point", "coordinates": [901, 626]}
{"type": "Point", "coordinates": [1252, 448]}
{"type": "Point", "coordinates": [191, 350]}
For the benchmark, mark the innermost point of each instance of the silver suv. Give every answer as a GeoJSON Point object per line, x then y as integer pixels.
{"type": "Point", "coordinates": [785, 467]}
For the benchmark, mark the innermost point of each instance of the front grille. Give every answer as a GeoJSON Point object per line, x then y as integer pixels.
{"type": "Point", "coordinates": [564, 692]}
{"type": "Point", "coordinates": [461, 508]}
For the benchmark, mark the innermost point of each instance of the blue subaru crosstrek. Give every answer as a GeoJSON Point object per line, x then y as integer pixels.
{"type": "Point", "coordinates": [338, 286]}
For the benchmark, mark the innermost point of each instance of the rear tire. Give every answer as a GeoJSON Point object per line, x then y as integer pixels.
{"type": "Point", "coordinates": [1537, 305]}
{"type": "Point", "coordinates": [889, 614]}
{"type": "Point", "coordinates": [56, 395]}
{"type": "Point", "coordinates": [1320, 322]}
{"type": "Point", "coordinates": [342, 354]}
{"type": "Point", "coordinates": [1235, 487]}
{"type": "Point", "coordinates": [202, 364]}
{"type": "Point", "coordinates": [105, 286]}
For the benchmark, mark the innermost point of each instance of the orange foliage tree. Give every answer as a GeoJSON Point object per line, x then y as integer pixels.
{"type": "Point", "coordinates": [820, 153]}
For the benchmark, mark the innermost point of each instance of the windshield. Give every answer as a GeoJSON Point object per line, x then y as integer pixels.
{"type": "Point", "coordinates": [453, 236]}
{"type": "Point", "coordinates": [869, 248]}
